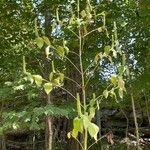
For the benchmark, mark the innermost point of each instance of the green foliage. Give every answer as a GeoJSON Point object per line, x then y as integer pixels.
{"type": "Point", "coordinates": [32, 119]}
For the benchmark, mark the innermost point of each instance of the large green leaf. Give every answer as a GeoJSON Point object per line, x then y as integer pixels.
{"type": "Point", "coordinates": [114, 79]}
{"type": "Point", "coordinates": [46, 40]}
{"type": "Point", "coordinates": [77, 126]}
{"type": "Point", "coordinates": [38, 79]}
{"type": "Point", "coordinates": [48, 87]}
{"type": "Point", "coordinates": [39, 42]}
{"type": "Point", "coordinates": [60, 51]}
{"type": "Point", "coordinates": [93, 130]}
{"type": "Point", "coordinates": [86, 121]}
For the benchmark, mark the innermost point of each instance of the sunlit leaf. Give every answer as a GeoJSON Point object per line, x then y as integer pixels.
{"type": "Point", "coordinates": [51, 76]}
{"type": "Point", "coordinates": [39, 42]}
{"type": "Point", "coordinates": [86, 121]}
{"type": "Point", "coordinates": [47, 51]}
{"type": "Point", "coordinates": [61, 76]}
{"type": "Point", "coordinates": [60, 51]}
{"type": "Point", "coordinates": [38, 79]}
{"type": "Point", "coordinates": [114, 79]}
{"type": "Point", "coordinates": [121, 83]}
{"type": "Point", "coordinates": [120, 92]}
{"type": "Point", "coordinates": [120, 70]}
{"type": "Point", "coordinates": [93, 130]}
{"type": "Point", "coordinates": [46, 40]}
{"type": "Point", "coordinates": [92, 112]}
{"type": "Point", "coordinates": [69, 135]}
{"type": "Point", "coordinates": [83, 13]}
{"type": "Point", "coordinates": [105, 93]}
{"type": "Point", "coordinates": [77, 127]}
{"type": "Point", "coordinates": [48, 87]}
{"type": "Point", "coordinates": [100, 29]}
{"type": "Point", "coordinates": [56, 81]}
{"type": "Point", "coordinates": [107, 49]}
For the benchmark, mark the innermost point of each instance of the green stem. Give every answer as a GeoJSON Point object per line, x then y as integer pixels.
{"type": "Point", "coordinates": [82, 76]}
{"type": "Point", "coordinates": [85, 139]}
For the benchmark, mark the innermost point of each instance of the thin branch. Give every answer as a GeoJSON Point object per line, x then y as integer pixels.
{"type": "Point", "coordinates": [88, 67]}
{"type": "Point", "coordinates": [74, 53]}
{"type": "Point", "coordinates": [90, 32]}
{"type": "Point", "coordinates": [73, 81]}
{"type": "Point", "coordinates": [73, 32]}
{"type": "Point", "coordinates": [67, 92]}
{"type": "Point", "coordinates": [97, 141]}
{"type": "Point", "coordinates": [91, 76]}
{"type": "Point", "coordinates": [79, 144]}
{"type": "Point", "coordinates": [73, 64]}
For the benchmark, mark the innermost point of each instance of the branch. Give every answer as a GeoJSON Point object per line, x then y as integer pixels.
{"type": "Point", "coordinates": [73, 81]}
{"type": "Point", "coordinates": [73, 32]}
{"type": "Point", "coordinates": [90, 32]}
{"type": "Point", "coordinates": [97, 141]}
{"type": "Point", "coordinates": [73, 64]}
{"type": "Point", "coordinates": [91, 76]}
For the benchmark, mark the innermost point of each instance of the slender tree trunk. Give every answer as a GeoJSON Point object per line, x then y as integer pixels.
{"type": "Point", "coordinates": [49, 120]}
{"type": "Point", "coordinates": [49, 130]}
{"type": "Point", "coordinates": [2, 143]}
{"type": "Point", "coordinates": [135, 120]}
{"type": "Point", "coordinates": [147, 108]}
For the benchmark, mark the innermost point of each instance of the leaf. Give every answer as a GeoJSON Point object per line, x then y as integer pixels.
{"type": "Point", "coordinates": [47, 51]}
{"type": "Point", "coordinates": [92, 113]}
{"type": "Point", "coordinates": [112, 93]}
{"type": "Point", "coordinates": [86, 121]}
{"type": "Point", "coordinates": [79, 105]}
{"type": "Point", "coordinates": [105, 93]}
{"type": "Point", "coordinates": [48, 87]}
{"type": "Point", "coordinates": [38, 79]}
{"type": "Point", "coordinates": [100, 29]}
{"type": "Point", "coordinates": [61, 77]}
{"type": "Point", "coordinates": [121, 70]}
{"type": "Point", "coordinates": [120, 92]}
{"type": "Point", "coordinates": [97, 104]}
{"type": "Point", "coordinates": [46, 40]}
{"type": "Point", "coordinates": [121, 83]}
{"type": "Point", "coordinates": [69, 135]}
{"type": "Point", "coordinates": [77, 127]}
{"type": "Point", "coordinates": [56, 81]}
{"type": "Point", "coordinates": [51, 76]}
{"type": "Point", "coordinates": [39, 42]}
{"type": "Point", "coordinates": [29, 77]}
{"type": "Point", "coordinates": [98, 57]}
{"type": "Point", "coordinates": [114, 79]}
{"type": "Point", "coordinates": [83, 13]}
{"type": "Point", "coordinates": [107, 49]}
{"type": "Point", "coordinates": [114, 54]}
{"type": "Point", "coordinates": [60, 51]}
{"type": "Point", "coordinates": [93, 130]}
{"type": "Point", "coordinates": [66, 49]}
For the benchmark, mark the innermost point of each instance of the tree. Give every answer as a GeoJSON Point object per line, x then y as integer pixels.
{"type": "Point", "coordinates": [18, 39]}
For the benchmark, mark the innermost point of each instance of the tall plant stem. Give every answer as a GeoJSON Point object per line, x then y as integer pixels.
{"type": "Point", "coordinates": [82, 76]}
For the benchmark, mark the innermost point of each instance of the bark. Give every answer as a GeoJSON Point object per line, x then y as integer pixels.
{"type": "Point", "coordinates": [49, 120]}
{"type": "Point", "coordinates": [2, 143]}
{"type": "Point", "coordinates": [49, 130]}
{"type": "Point", "coordinates": [135, 120]}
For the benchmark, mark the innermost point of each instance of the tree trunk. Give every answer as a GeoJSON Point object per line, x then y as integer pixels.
{"type": "Point", "coordinates": [2, 143]}
{"type": "Point", "coordinates": [49, 120]}
{"type": "Point", "coordinates": [49, 129]}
